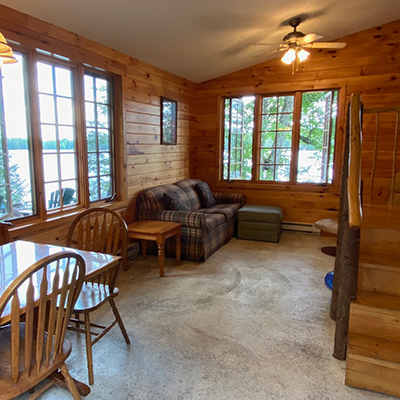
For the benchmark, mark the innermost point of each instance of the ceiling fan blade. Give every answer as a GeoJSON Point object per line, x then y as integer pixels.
{"type": "Point", "coordinates": [311, 37]}
{"type": "Point", "coordinates": [325, 45]}
{"type": "Point", "coordinates": [270, 52]}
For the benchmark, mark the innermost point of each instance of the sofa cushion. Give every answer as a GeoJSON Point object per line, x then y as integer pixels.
{"type": "Point", "coordinates": [153, 198]}
{"type": "Point", "coordinates": [206, 197]}
{"type": "Point", "coordinates": [189, 187]}
{"type": "Point", "coordinates": [175, 203]}
{"type": "Point", "coordinates": [228, 210]}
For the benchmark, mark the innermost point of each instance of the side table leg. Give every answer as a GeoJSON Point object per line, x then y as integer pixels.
{"type": "Point", "coordinates": [143, 245]}
{"type": "Point", "coordinates": [178, 249]}
{"type": "Point", "coordinates": [161, 257]}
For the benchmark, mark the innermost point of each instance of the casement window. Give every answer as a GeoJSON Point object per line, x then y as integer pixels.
{"type": "Point", "coordinates": [285, 138]}
{"type": "Point", "coordinates": [57, 136]}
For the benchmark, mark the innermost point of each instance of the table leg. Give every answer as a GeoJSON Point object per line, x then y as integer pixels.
{"type": "Point", "coordinates": [143, 245]}
{"type": "Point", "coordinates": [178, 249]}
{"type": "Point", "coordinates": [161, 255]}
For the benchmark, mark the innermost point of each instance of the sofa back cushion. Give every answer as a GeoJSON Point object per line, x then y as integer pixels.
{"type": "Point", "coordinates": [189, 187]}
{"type": "Point", "coordinates": [153, 198]}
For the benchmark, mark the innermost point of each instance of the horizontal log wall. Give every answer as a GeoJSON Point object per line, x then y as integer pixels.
{"type": "Point", "coordinates": [369, 65]}
{"type": "Point", "coordinates": [145, 162]}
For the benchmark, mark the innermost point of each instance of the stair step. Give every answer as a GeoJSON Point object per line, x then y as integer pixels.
{"type": "Point", "coordinates": [375, 277]}
{"type": "Point", "coordinates": [380, 259]}
{"type": "Point", "coordinates": [368, 346]}
{"type": "Point", "coordinates": [369, 373]}
{"type": "Point", "coordinates": [376, 314]}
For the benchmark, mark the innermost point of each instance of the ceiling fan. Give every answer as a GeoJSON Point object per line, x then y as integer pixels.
{"type": "Point", "coordinates": [296, 42]}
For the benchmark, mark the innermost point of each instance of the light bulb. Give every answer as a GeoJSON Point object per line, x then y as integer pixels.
{"type": "Point", "coordinates": [302, 55]}
{"type": "Point", "coordinates": [289, 56]}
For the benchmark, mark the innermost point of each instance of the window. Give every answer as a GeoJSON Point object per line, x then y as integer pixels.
{"type": "Point", "coordinates": [238, 138]}
{"type": "Point", "coordinates": [99, 136]}
{"type": "Point", "coordinates": [288, 138]}
{"type": "Point", "coordinates": [71, 131]}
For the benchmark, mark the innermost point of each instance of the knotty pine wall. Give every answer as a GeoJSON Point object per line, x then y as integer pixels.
{"type": "Point", "coordinates": [369, 65]}
{"type": "Point", "coordinates": [145, 162]}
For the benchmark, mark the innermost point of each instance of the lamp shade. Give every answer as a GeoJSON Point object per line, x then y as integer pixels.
{"type": "Point", "coordinates": [289, 56]}
{"type": "Point", "coordinates": [302, 55]}
{"type": "Point", "coordinates": [6, 53]}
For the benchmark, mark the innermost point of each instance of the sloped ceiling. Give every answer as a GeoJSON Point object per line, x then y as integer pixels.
{"type": "Point", "coordinates": [201, 40]}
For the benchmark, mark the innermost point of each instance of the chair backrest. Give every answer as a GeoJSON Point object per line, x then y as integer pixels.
{"type": "Point", "coordinates": [52, 285]}
{"type": "Point", "coordinates": [101, 230]}
{"type": "Point", "coordinates": [67, 197]}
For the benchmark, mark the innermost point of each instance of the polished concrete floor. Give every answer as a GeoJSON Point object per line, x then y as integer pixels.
{"type": "Point", "coordinates": [250, 323]}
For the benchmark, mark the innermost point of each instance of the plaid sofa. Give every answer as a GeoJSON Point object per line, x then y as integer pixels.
{"type": "Point", "coordinates": [204, 230]}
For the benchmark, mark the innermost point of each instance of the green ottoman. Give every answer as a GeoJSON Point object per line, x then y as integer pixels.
{"type": "Point", "coordinates": [259, 222]}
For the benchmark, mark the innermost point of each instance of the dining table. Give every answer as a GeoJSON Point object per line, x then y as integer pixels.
{"type": "Point", "coordinates": [15, 257]}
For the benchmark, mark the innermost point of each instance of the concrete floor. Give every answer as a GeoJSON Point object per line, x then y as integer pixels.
{"type": "Point", "coordinates": [250, 323]}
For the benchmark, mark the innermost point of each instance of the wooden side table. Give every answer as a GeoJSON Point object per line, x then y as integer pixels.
{"type": "Point", "coordinates": [158, 231]}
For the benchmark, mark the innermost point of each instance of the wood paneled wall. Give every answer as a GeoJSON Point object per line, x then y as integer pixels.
{"type": "Point", "coordinates": [145, 161]}
{"type": "Point", "coordinates": [369, 65]}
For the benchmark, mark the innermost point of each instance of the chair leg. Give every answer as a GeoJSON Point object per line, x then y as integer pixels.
{"type": "Point", "coordinates": [119, 320]}
{"type": "Point", "coordinates": [70, 382]}
{"type": "Point", "coordinates": [89, 357]}
{"type": "Point", "coordinates": [77, 326]}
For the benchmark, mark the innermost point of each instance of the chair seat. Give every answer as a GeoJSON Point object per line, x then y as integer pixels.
{"type": "Point", "coordinates": [92, 296]}
{"type": "Point", "coordinates": [8, 390]}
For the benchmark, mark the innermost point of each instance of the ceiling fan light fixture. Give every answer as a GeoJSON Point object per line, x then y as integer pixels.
{"type": "Point", "coordinates": [302, 55]}
{"type": "Point", "coordinates": [289, 56]}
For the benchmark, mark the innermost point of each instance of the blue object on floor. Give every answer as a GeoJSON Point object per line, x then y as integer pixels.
{"type": "Point", "coordinates": [329, 280]}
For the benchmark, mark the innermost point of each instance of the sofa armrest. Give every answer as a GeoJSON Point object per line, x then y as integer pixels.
{"type": "Point", "coordinates": [229, 198]}
{"type": "Point", "coordinates": [193, 220]}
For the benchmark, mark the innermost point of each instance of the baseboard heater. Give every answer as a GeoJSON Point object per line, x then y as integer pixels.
{"type": "Point", "coordinates": [300, 227]}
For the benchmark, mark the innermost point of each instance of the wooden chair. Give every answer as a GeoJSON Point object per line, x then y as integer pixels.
{"type": "Point", "coordinates": [101, 230]}
{"type": "Point", "coordinates": [31, 351]}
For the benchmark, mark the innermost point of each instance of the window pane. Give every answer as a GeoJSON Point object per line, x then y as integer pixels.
{"type": "Point", "coordinates": [89, 112]}
{"type": "Point", "coordinates": [238, 138]}
{"type": "Point", "coordinates": [268, 139]}
{"type": "Point", "coordinates": [67, 166]}
{"type": "Point", "coordinates": [93, 189]}
{"type": "Point", "coordinates": [105, 167]}
{"type": "Point", "coordinates": [66, 137]}
{"type": "Point", "coordinates": [16, 178]}
{"type": "Point", "coordinates": [64, 111]}
{"type": "Point", "coordinates": [92, 164]}
{"type": "Point", "coordinates": [50, 166]}
{"type": "Point", "coordinates": [102, 116]}
{"type": "Point", "coordinates": [45, 78]}
{"type": "Point", "coordinates": [52, 195]}
{"type": "Point", "coordinates": [91, 139]}
{"type": "Point", "coordinates": [89, 88]}
{"type": "Point", "coordinates": [49, 138]}
{"type": "Point", "coordinates": [46, 106]}
{"type": "Point", "coordinates": [270, 105]}
{"type": "Point", "coordinates": [105, 187]}
{"type": "Point", "coordinates": [104, 139]}
{"type": "Point", "coordinates": [315, 150]}
{"type": "Point", "coordinates": [101, 90]}
{"type": "Point", "coordinates": [63, 82]}
{"type": "Point", "coordinates": [69, 193]}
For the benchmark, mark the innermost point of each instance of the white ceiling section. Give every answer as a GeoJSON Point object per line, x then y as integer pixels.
{"type": "Point", "coordinates": [204, 39]}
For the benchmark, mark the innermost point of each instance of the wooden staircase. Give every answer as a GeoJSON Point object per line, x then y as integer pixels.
{"type": "Point", "coordinates": [373, 353]}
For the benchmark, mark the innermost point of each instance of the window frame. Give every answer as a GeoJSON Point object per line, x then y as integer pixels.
{"type": "Point", "coordinates": [41, 213]}
{"type": "Point", "coordinates": [255, 182]}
